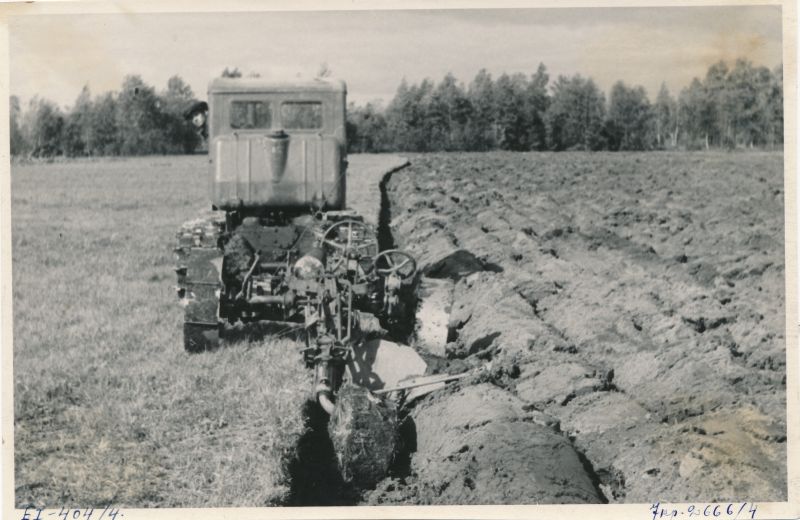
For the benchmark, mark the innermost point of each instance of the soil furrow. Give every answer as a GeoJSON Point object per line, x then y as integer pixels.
{"type": "Point", "coordinates": [640, 304]}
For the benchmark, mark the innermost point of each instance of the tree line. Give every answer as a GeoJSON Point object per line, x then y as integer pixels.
{"type": "Point", "coordinates": [731, 107]}
{"type": "Point", "coordinates": [137, 120]}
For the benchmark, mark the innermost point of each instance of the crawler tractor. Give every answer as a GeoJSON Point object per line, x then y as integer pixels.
{"type": "Point", "coordinates": [280, 244]}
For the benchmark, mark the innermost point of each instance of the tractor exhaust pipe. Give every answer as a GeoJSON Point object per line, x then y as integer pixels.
{"type": "Point", "coordinates": [278, 145]}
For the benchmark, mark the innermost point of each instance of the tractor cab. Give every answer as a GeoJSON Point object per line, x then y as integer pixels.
{"type": "Point", "coordinates": [277, 145]}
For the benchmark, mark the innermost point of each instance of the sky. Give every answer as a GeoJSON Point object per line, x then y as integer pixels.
{"type": "Point", "coordinates": [54, 56]}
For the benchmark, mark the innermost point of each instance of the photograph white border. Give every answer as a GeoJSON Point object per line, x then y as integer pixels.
{"type": "Point", "coordinates": [789, 509]}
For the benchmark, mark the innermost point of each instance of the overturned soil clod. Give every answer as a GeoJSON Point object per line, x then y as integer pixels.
{"type": "Point", "coordinates": [364, 433]}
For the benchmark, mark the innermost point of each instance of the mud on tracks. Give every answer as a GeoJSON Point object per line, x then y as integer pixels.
{"type": "Point", "coordinates": [631, 309]}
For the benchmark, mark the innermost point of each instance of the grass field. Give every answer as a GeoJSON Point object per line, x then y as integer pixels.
{"type": "Point", "coordinates": [108, 407]}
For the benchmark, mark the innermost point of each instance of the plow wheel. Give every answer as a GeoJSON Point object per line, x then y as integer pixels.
{"type": "Point", "coordinates": [363, 429]}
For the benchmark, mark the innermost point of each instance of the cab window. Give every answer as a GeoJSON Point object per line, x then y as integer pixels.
{"type": "Point", "coordinates": [250, 114]}
{"type": "Point", "coordinates": [301, 115]}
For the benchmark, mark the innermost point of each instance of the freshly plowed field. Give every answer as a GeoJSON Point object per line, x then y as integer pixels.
{"type": "Point", "coordinates": [629, 309]}
{"type": "Point", "coordinates": [626, 310]}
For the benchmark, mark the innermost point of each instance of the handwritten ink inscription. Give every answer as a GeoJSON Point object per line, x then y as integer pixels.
{"type": "Point", "coordinates": [89, 513]}
{"type": "Point", "coordinates": [730, 511]}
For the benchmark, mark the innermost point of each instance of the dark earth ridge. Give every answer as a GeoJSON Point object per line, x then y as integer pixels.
{"type": "Point", "coordinates": [631, 306]}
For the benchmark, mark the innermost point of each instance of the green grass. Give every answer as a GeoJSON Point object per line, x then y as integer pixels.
{"type": "Point", "coordinates": [108, 407]}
